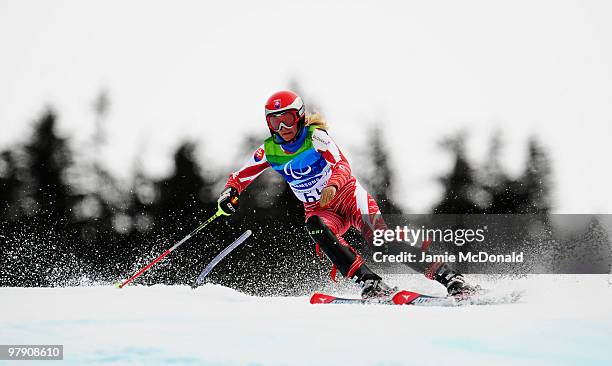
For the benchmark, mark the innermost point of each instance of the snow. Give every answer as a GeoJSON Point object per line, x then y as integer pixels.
{"type": "Point", "coordinates": [560, 320]}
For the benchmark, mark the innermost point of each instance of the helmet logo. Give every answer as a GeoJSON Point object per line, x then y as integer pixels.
{"type": "Point", "coordinates": [277, 103]}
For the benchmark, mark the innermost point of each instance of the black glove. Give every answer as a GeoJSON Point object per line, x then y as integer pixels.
{"type": "Point", "coordinates": [228, 201]}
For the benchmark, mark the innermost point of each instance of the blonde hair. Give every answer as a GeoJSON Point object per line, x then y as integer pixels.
{"type": "Point", "coordinates": [316, 119]}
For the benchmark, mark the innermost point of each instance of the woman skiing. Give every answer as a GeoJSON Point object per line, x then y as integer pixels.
{"type": "Point", "coordinates": [301, 150]}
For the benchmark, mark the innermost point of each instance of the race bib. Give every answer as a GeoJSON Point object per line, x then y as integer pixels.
{"type": "Point", "coordinates": [310, 190]}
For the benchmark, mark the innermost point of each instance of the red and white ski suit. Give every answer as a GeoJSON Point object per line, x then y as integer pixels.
{"type": "Point", "coordinates": [351, 206]}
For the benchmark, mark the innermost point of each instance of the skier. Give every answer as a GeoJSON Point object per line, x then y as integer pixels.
{"type": "Point", "coordinates": [301, 150]}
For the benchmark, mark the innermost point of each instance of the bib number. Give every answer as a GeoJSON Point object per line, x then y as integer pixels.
{"type": "Point", "coordinates": [312, 196]}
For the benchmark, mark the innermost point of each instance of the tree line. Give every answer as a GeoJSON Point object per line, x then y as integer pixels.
{"type": "Point", "coordinates": [65, 220]}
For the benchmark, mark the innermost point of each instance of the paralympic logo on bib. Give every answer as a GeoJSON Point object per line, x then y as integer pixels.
{"type": "Point", "coordinates": [288, 169]}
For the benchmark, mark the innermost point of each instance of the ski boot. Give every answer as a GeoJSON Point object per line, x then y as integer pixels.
{"type": "Point", "coordinates": [459, 289]}
{"type": "Point", "coordinates": [455, 283]}
{"type": "Point", "coordinates": [374, 287]}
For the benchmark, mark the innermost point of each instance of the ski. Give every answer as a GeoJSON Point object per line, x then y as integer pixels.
{"type": "Point", "coordinates": [403, 297]}
{"type": "Point", "coordinates": [406, 297]}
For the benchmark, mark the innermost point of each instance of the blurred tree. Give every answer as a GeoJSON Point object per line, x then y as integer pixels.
{"type": "Point", "coordinates": [9, 185]}
{"type": "Point", "coordinates": [528, 193]}
{"type": "Point", "coordinates": [381, 180]}
{"type": "Point", "coordinates": [41, 243]}
{"type": "Point", "coordinates": [48, 158]}
{"type": "Point", "coordinates": [460, 185]}
{"type": "Point", "coordinates": [503, 194]}
{"type": "Point", "coordinates": [493, 174]}
{"type": "Point", "coordinates": [536, 179]}
{"type": "Point", "coordinates": [101, 108]}
{"type": "Point", "coordinates": [186, 192]}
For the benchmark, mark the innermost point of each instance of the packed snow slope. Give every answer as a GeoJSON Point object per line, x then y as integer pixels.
{"type": "Point", "coordinates": [560, 320]}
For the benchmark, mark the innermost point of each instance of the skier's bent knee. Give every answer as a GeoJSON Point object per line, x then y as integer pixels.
{"type": "Point", "coordinates": [348, 262]}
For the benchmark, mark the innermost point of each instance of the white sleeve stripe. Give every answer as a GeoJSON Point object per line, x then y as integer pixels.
{"type": "Point", "coordinates": [323, 142]}
{"type": "Point", "coordinates": [243, 179]}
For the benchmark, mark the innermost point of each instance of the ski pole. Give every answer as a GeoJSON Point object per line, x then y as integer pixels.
{"type": "Point", "coordinates": [220, 256]}
{"type": "Point", "coordinates": [194, 232]}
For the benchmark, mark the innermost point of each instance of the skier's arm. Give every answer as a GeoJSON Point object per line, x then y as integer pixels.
{"type": "Point", "coordinates": [239, 180]}
{"type": "Point", "coordinates": [256, 164]}
{"type": "Point", "coordinates": [341, 170]}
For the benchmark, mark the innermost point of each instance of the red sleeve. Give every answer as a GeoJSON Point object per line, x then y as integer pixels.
{"type": "Point", "coordinates": [252, 169]}
{"type": "Point", "coordinates": [340, 168]}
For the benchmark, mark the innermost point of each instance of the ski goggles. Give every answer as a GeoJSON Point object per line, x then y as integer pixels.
{"type": "Point", "coordinates": [286, 119]}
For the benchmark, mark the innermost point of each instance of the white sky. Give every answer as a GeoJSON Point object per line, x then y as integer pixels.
{"type": "Point", "coordinates": [203, 70]}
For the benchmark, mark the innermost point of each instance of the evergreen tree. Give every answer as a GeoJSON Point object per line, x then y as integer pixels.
{"type": "Point", "coordinates": [526, 194]}
{"type": "Point", "coordinates": [460, 185]}
{"type": "Point", "coordinates": [503, 194]}
{"type": "Point", "coordinates": [381, 181]}
{"type": "Point", "coordinates": [9, 186]}
{"type": "Point", "coordinates": [536, 179]}
{"type": "Point", "coordinates": [184, 193]}
{"type": "Point", "coordinates": [48, 158]}
{"type": "Point", "coordinates": [41, 243]}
